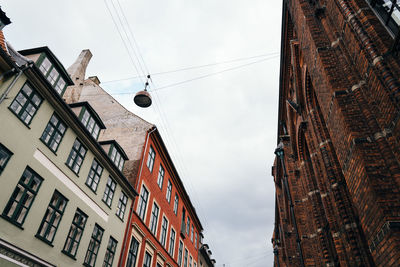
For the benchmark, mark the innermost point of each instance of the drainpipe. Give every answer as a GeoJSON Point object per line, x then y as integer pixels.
{"type": "Point", "coordinates": [279, 152]}
{"type": "Point", "coordinates": [144, 154]}
{"type": "Point", "coordinates": [128, 226]}
{"type": "Point", "coordinates": [20, 71]}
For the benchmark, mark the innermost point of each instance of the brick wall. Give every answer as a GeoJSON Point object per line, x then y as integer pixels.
{"type": "Point", "coordinates": [340, 137]}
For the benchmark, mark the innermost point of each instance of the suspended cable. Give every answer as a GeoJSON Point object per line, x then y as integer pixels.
{"type": "Point", "coordinates": [120, 34]}
{"type": "Point", "coordinates": [194, 67]}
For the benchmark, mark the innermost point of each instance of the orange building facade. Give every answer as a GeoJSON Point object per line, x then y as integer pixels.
{"type": "Point", "coordinates": [164, 228]}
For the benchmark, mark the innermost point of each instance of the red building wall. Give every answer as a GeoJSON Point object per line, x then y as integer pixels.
{"type": "Point", "coordinates": [149, 180]}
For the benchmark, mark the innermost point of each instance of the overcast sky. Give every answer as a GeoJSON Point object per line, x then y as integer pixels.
{"type": "Point", "coordinates": [220, 129]}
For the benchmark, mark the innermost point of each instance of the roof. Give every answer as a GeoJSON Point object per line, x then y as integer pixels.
{"type": "Point", "coordinates": [33, 71]}
{"type": "Point", "coordinates": [91, 110]}
{"type": "Point", "coordinates": [115, 143]}
{"type": "Point", "coordinates": [52, 57]}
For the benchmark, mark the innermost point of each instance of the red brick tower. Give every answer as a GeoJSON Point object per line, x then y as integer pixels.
{"type": "Point", "coordinates": [337, 170]}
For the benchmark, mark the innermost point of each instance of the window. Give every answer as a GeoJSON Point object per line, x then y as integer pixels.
{"type": "Point", "coordinates": [176, 202]}
{"type": "Point", "coordinates": [164, 228]}
{"type": "Point", "coordinates": [109, 191]}
{"type": "Point", "coordinates": [116, 157]}
{"type": "Point", "coordinates": [75, 233]}
{"type": "Point", "coordinates": [109, 257]}
{"type": "Point", "coordinates": [123, 200]}
{"type": "Point", "coordinates": [188, 226]}
{"type": "Point", "coordinates": [195, 240]}
{"type": "Point", "coordinates": [93, 249]}
{"type": "Point", "coordinates": [26, 103]}
{"type": "Point", "coordinates": [169, 191]}
{"type": "Point", "coordinates": [183, 228]}
{"type": "Point", "coordinates": [52, 75]}
{"type": "Point", "coordinates": [76, 156]}
{"type": "Point", "coordinates": [180, 250]}
{"type": "Point", "coordinates": [22, 198]}
{"type": "Point", "coordinates": [53, 133]}
{"type": "Point", "coordinates": [191, 234]}
{"type": "Point", "coordinates": [389, 13]}
{"type": "Point", "coordinates": [5, 156]}
{"type": "Point", "coordinates": [172, 242]}
{"type": "Point", "coordinates": [94, 175]}
{"type": "Point", "coordinates": [147, 260]}
{"type": "Point", "coordinates": [143, 203]}
{"type": "Point", "coordinates": [133, 253]}
{"type": "Point", "coordinates": [160, 178]}
{"type": "Point", "coordinates": [89, 122]}
{"type": "Point", "coordinates": [52, 217]}
{"type": "Point", "coordinates": [185, 260]}
{"type": "Point", "coordinates": [150, 159]}
{"type": "Point", "coordinates": [190, 261]}
{"type": "Point", "coordinates": [154, 219]}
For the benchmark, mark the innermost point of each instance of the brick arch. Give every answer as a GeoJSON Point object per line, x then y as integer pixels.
{"type": "Point", "coordinates": [308, 91]}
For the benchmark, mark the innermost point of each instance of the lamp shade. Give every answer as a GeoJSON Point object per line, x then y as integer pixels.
{"type": "Point", "coordinates": [142, 99]}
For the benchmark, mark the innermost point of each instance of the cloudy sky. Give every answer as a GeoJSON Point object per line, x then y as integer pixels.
{"type": "Point", "coordinates": [219, 121]}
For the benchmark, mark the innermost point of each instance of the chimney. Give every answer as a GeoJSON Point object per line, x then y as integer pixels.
{"type": "Point", "coordinates": [77, 70]}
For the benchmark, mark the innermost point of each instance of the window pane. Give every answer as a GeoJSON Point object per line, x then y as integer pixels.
{"type": "Point", "coordinates": [26, 103]}
{"type": "Point", "coordinates": [109, 191]}
{"type": "Point", "coordinates": [76, 156]}
{"type": "Point", "coordinates": [53, 133]}
{"type": "Point", "coordinates": [22, 198]}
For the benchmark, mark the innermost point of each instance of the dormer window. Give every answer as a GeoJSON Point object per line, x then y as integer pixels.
{"type": "Point", "coordinates": [115, 152]}
{"type": "Point", "coordinates": [116, 157]}
{"type": "Point", "coordinates": [89, 118]}
{"type": "Point", "coordinates": [51, 68]}
{"type": "Point", "coordinates": [90, 123]}
{"type": "Point", "coordinates": [52, 75]}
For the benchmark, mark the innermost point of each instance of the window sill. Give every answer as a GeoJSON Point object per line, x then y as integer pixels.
{"type": "Point", "coordinates": [69, 255]}
{"type": "Point", "coordinates": [24, 123]}
{"type": "Point", "coordinates": [91, 189]}
{"type": "Point", "coordinates": [44, 240]}
{"type": "Point", "coordinates": [11, 221]}
{"type": "Point", "coordinates": [77, 174]}
{"type": "Point", "coordinates": [54, 152]}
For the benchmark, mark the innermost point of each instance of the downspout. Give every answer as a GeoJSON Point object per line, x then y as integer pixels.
{"type": "Point", "coordinates": [128, 226]}
{"type": "Point", "coordinates": [20, 71]}
{"type": "Point", "coordinates": [144, 154]}
{"type": "Point", "coordinates": [286, 185]}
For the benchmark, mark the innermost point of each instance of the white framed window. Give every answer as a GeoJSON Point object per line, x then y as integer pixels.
{"type": "Point", "coordinates": [164, 228]}
{"type": "Point", "coordinates": [160, 179]}
{"type": "Point", "coordinates": [154, 218]}
{"type": "Point", "coordinates": [169, 191]}
{"type": "Point", "coordinates": [144, 195]}
{"type": "Point", "coordinates": [150, 159]}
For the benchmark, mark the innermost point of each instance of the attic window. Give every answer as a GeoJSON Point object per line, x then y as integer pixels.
{"type": "Point", "coordinates": [52, 75]}
{"type": "Point", "coordinates": [89, 122]}
{"type": "Point", "coordinates": [116, 157]}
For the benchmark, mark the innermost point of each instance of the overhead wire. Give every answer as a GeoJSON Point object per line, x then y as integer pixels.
{"type": "Point", "coordinates": [192, 67]}
{"type": "Point", "coordinates": [144, 72]}
{"type": "Point", "coordinates": [120, 34]}
{"type": "Point", "coordinates": [199, 77]}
